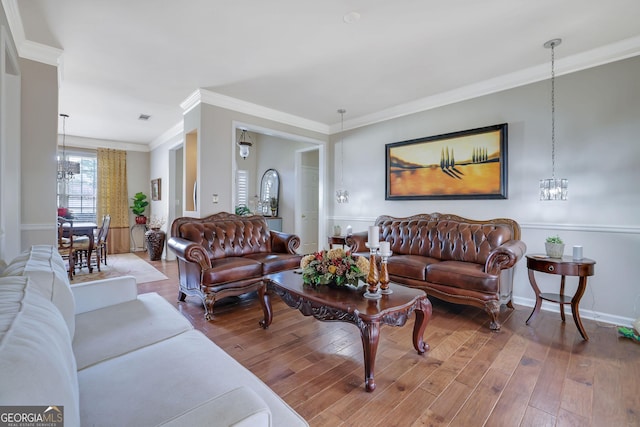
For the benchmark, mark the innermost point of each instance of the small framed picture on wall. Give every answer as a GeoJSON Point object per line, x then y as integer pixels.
{"type": "Point", "coordinates": [156, 189]}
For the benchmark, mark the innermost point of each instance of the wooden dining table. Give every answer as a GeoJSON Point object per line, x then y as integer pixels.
{"type": "Point", "coordinates": [82, 228]}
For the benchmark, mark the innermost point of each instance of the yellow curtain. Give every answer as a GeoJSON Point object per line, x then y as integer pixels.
{"type": "Point", "coordinates": [113, 197]}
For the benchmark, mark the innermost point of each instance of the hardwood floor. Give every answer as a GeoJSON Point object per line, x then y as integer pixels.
{"type": "Point", "coordinates": [538, 375]}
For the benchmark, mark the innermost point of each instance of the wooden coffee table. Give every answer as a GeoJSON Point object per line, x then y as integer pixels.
{"type": "Point", "coordinates": [348, 305]}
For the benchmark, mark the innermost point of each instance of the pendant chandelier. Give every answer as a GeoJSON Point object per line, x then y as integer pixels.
{"type": "Point", "coordinates": [243, 144]}
{"type": "Point", "coordinates": [342, 195]}
{"type": "Point", "coordinates": [552, 188]}
{"type": "Point", "coordinates": [66, 168]}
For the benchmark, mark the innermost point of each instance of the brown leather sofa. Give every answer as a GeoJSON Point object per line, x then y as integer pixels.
{"type": "Point", "coordinates": [452, 258]}
{"type": "Point", "coordinates": [227, 255]}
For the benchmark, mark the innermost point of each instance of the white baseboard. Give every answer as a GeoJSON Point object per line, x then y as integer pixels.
{"type": "Point", "coordinates": [585, 314]}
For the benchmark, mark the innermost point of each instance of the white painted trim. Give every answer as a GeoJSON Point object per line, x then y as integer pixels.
{"type": "Point", "coordinates": [603, 55]}
{"type": "Point", "coordinates": [223, 101]}
{"type": "Point", "coordinates": [532, 226]}
{"type": "Point", "coordinates": [582, 227]}
{"type": "Point", "coordinates": [174, 134]}
{"type": "Point", "coordinates": [38, 227]}
{"type": "Point", "coordinates": [40, 53]}
{"type": "Point", "coordinates": [12, 13]}
{"type": "Point", "coordinates": [90, 143]}
{"type": "Point", "coordinates": [584, 314]}
{"type": "Point", "coordinates": [191, 102]}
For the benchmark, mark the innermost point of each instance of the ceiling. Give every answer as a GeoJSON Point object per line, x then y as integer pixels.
{"type": "Point", "coordinates": [121, 58]}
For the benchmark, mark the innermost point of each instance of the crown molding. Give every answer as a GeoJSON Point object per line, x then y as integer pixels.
{"type": "Point", "coordinates": [173, 135]}
{"type": "Point", "coordinates": [603, 55]}
{"type": "Point", "coordinates": [92, 143]}
{"type": "Point", "coordinates": [12, 13]}
{"type": "Point", "coordinates": [205, 96]}
{"type": "Point", "coordinates": [40, 53]}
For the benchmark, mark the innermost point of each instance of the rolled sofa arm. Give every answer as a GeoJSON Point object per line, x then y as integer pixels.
{"type": "Point", "coordinates": [284, 243]}
{"type": "Point", "coordinates": [357, 240]}
{"type": "Point", "coordinates": [189, 251]}
{"type": "Point", "coordinates": [505, 256]}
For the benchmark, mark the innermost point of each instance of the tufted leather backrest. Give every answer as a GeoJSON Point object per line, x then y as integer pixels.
{"type": "Point", "coordinates": [225, 234]}
{"type": "Point", "coordinates": [446, 237]}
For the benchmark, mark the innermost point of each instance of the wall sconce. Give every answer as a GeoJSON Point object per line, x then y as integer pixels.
{"type": "Point", "coordinates": [243, 144]}
{"type": "Point", "coordinates": [552, 188]}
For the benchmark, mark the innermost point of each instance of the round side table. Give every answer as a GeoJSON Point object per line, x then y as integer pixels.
{"type": "Point", "coordinates": [565, 266]}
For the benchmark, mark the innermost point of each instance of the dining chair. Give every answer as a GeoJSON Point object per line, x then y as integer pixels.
{"type": "Point", "coordinates": [65, 244]}
{"type": "Point", "coordinates": [81, 246]}
{"type": "Point", "coordinates": [100, 242]}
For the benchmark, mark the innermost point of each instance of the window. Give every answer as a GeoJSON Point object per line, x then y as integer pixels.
{"type": "Point", "coordinates": [79, 193]}
{"type": "Point", "coordinates": [242, 188]}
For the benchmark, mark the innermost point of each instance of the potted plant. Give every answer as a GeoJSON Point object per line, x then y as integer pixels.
{"type": "Point", "coordinates": [554, 246]}
{"type": "Point", "coordinates": [273, 203]}
{"type": "Point", "coordinates": [139, 205]}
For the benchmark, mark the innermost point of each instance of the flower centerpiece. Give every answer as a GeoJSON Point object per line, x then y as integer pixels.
{"type": "Point", "coordinates": [155, 223]}
{"type": "Point", "coordinates": [333, 267]}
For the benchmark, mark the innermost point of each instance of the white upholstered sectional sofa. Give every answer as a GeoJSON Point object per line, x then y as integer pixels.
{"type": "Point", "coordinates": [111, 357]}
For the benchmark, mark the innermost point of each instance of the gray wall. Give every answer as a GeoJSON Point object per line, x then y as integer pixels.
{"type": "Point", "coordinates": [38, 152]}
{"type": "Point", "coordinates": [597, 149]}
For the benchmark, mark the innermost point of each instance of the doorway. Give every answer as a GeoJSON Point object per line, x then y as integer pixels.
{"type": "Point", "coordinates": [308, 200]}
{"type": "Point", "coordinates": [288, 153]}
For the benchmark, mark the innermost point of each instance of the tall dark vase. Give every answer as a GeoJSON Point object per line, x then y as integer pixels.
{"type": "Point", "coordinates": [155, 243]}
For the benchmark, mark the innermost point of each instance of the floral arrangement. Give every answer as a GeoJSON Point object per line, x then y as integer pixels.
{"type": "Point", "coordinates": [335, 266]}
{"type": "Point", "coordinates": [155, 223]}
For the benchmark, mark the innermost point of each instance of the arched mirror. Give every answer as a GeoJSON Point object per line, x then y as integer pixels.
{"type": "Point", "coordinates": [269, 189]}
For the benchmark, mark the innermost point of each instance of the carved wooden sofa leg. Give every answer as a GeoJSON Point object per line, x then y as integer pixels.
{"type": "Point", "coordinates": [493, 309]}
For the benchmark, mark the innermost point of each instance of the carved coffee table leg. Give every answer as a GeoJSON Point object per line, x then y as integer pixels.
{"type": "Point", "coordinates": [265, 301]}
{"type": "Point", "coordinates": [370, 334]}
{"type": "Point", "coordinates": [423, 315]}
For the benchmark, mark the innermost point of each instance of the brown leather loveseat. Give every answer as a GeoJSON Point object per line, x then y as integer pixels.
{"type": "Point", "coordinates": [455, 259]}
{"type": "Point", "coordinates": [227, 255]}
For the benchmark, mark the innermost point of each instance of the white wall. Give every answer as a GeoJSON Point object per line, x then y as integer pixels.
{"type": "Point", "coordinates": [597, 149]}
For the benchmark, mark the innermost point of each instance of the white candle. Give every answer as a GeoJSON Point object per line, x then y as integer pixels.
{"type": "Point", "coordinates": [385, 248]}
{"type": "Point", "coordinates": [374, 236]}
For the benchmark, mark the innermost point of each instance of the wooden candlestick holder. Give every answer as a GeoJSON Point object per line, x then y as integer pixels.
{"type": "Point", "coordinates": [373, 277]}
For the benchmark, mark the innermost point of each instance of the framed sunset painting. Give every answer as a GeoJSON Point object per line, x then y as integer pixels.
{"type": "Point", "coordinates": [470, 164]}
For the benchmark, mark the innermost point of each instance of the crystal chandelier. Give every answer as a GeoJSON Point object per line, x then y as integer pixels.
{"type": "Point", "coordinates": [552, 188]}
{"type": "Point", "coordinates": [66, 168]}
{"type": "Point", "coordinates": [342, 195]}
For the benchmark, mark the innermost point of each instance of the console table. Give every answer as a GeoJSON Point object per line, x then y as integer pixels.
{"type": "Point", "coordinates": [565, 266]}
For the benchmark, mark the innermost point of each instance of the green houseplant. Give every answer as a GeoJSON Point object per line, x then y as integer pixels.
{"type": "Point", "coordinates": [554, 246]}
{"type": "Point", "coordinates": [138, 207]}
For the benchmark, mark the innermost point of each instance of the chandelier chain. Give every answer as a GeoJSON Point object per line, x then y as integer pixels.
{"type": "Point", "coordinates": [553, 113]}
{"type": "Point", "coordinates": [341, 111]}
